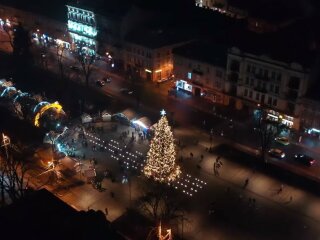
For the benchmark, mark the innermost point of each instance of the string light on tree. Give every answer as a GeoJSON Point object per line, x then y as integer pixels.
{"type": "Point", "coordinates": [160, 164]}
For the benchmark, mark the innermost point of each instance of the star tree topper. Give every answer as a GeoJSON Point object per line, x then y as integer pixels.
{"type": "Point", "coordinates": [162, 112]}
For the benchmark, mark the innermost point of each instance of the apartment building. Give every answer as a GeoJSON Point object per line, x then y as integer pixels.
{"type": "Point", "coordinates": [309, 111]}
{"type": "Point", "coordinates": [199, 69]}
{"type": "Point", "coordinates": [45, 28]}
{"type": "Point", "coordinates": [148, 53]}
{"type": "Point", "coordinates": [82, 27]}
{"type": "Point", "coordinates": [258, 80]}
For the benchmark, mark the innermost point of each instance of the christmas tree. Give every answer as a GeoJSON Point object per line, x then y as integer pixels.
{"type": "Point", "coordinates": [161, 165]}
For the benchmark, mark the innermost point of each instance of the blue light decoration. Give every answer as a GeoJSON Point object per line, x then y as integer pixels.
{"type": "Point", "coordinates": [7, 89]}
{"type": "Point", "coordinates": [40, 104]}
{"type": "Point", "coordinates": [141, 124]}
{"type": "Point", "coordinates": [20, 94]}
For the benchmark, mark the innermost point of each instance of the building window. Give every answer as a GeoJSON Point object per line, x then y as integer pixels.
{"type": "Point", "coordinates": [251, 82]}
{"type": "Point", "coordinates": [247, 80]}
{"type": "Point", "coordinates": [279, 77]}
{"type": "Point", "coordinates": [271, 88]}
{"type": "Point", "coordinates": [274, 103]}
{"type": "Point", "coordinates": [269, 100]}
{"type": "Point", "coordinates": [246, 92]}
{"type": "Point", "coordinates": [273, 75]}
{"type": "Point", "coordinates": [257, 96]}
{"type": "Point", "coordinates": [189, 75]}
{"type": "Point", "coordinates": [250, 94]}
{"type": "Point", "coordinates": [219, 73]}
{"type": "Point", "coordinates": [276, 90]}
{"type": "Point", "coordinates": [248, 68]}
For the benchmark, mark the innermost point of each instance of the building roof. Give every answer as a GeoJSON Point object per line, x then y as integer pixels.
{"type": "Point", "coordinates": [53, 9]}
{"type": "Point", "coordinates": [210, 53]}
{"type": "Point", "coordinates": [156, 38]}
{"type": "Point", "coordinates": [41, 215]}
{"type": "Point", "coordinates": [286, 45]}
{"type": "Point", "coordinates": [270, 10]}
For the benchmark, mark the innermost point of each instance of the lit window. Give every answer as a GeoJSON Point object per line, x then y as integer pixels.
{"type": "Point", "coordinates": [189, 75]}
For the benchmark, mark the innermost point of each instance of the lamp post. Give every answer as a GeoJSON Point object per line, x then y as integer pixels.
{"type": "Point", "coordinates": [5, 143]}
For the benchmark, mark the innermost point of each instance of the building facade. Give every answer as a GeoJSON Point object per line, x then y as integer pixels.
{"type": "Point", "coordinates": [199, 69]}
{"type": "Point", "coordinates": [258, 80]}
{"type": "Point", "coordinates": [148, 54]}
{"type": "Point", "coordinates": [309, 111]}
{"type": "Point", "coordinates": [44, 30]}
{"type": "Point", "coordinates": [82, 28]}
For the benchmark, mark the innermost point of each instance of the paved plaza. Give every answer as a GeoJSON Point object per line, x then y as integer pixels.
{"type": "Point", "coordinates": [117, 154]}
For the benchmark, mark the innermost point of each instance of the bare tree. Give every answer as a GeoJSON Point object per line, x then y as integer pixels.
{"type": "Point", "coordinates": [8, 31]}
{"type": "Point", "coordinates": [60, 51]}
{"type": "Point", "coordinates": [268, 130]}
{"type": "Point", "coordinates": [13, 169]}
{"type": "Point", "coordinates": [86, 61]}
{"type": "Point", "coordinates": [159, 203]}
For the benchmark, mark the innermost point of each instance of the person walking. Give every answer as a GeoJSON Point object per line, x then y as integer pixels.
{"type": "Point", "coordinates": [246, 182]}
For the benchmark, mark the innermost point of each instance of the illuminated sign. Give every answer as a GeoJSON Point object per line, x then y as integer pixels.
{"type": "Point", "coordinates": [82, 27]}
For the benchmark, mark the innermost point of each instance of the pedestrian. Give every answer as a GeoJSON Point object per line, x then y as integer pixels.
{"type": "Point", "coordinates": [246, 182]}
{"type": "Point", "coordinates": [106, 211]}
{"type": "Point", "coordinates": [191, 154]}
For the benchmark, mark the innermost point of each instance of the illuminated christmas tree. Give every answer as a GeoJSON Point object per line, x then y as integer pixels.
{"type": "Point", "coordinates": [160, 164]}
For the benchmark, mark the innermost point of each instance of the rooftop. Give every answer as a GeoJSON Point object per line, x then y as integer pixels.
{"type": "Point", "coordinates": [53, 9]}
{"type": "Point", "coordinates": [41, 215]}
{"type": "Point", "coordinates": [210, 53]}
{"type": "Point", "coordinates": [286, 46]}
{"type": "Point", "coordinates": [156, 38]}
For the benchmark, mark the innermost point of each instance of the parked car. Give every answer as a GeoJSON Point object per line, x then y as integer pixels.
{"type": "Point", "coordinates": [100, 83]}
{"type": "Point", "coordinates": [126, 91]}
{"type": "Point", "coordinates": [74, 68]}
{"type": "Point", "coordinates": [304, 159]}
{"type": "Point", "coordinates": [277, 153]}
{"type": "Point", "coordinates": [162, 80]}
{"type": "Point", "coordinates": [107, 79]}
{"type": "Point", "coordinates": [282, 140]}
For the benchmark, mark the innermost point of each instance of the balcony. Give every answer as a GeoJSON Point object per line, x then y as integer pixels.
{"type": "Point", "coordinates": [292, 95]}
{"type": "Point", "coordinates": [197, 83]}
{"type": "Point", "coordinates": [260, 89]}
{"type": "Point", "coordinates": [233, 77]}
{"type": "Point", "coordinates": [261, 77]}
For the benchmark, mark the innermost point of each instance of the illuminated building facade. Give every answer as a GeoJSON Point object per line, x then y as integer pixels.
{"type": "Point", "coordinates": [199, 69]}
{"type": "Point", "coordinates": [148, 54]}
{"type": "Point", "coordinates": [258, 80]}
{"type": "Point", "coordinates": [82, 28]}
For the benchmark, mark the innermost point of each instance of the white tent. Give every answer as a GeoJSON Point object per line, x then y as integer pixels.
{"type": "Point", "coordinates": [127, 114]}
{"type": "Point", "coordinates": [86, 118]}
{"type": "Point", "coordinates": [106, 116]}
{"type": "Point", "coordinates": [143, 122]}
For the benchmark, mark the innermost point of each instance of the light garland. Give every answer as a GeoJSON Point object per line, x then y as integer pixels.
{"type": "Point", "coordinates": [160, 164]}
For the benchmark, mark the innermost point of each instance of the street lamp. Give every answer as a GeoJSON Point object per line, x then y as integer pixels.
{"type": "Point", "coordinates": [5, 143]}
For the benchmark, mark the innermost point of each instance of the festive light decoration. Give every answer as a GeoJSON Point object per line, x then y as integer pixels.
{"type": "Point", "coordinates": [54, 105]}
{"type": "Point", "coordinates": [160, 164]}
